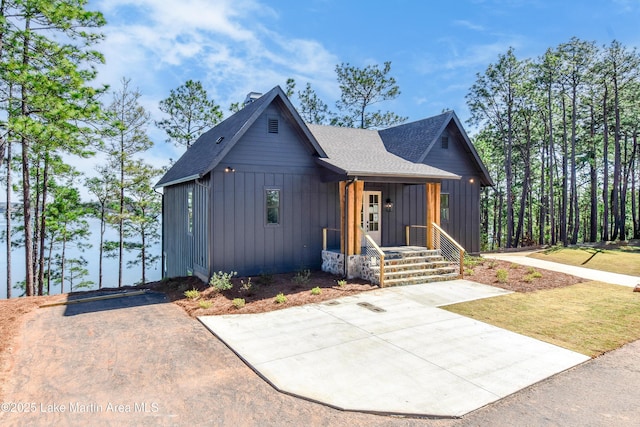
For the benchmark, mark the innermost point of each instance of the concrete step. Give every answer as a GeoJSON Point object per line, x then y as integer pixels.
{"type": "Point", "coordinates": [411, 253]}
{"type": "Point", "coordinates": [414, 268]}
{"type": "Point", "coordinates": [414, 260]}
{"type": "Point", "coordinates": [417, 280]}
{"type": "Point", "coordinates": [418, 273]}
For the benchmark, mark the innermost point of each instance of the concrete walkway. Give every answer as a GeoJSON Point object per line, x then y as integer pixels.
{"type": "Point", "coordinates": [392, 351]}
{"type": "Point", "coordinates": [586, 273]}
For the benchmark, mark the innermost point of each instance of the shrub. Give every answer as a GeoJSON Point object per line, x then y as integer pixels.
{"type": "Point", "coordinates": [468, 271]}
{"type": "Point", "coordinates": [265, 279]}
{"type": "Point", "coordinates": [502, 275]}
{"type": "Point", "coordinates": [205, 304]}
{"type": "Point", "coordinates": [246, 286]}
{"type": "Point", "coordinates": [192, 294]}
{"type": "Point", "coordinates": [342, 283]}
{"type": "Point", "coordinates": [533, 275]}
{"type": "Point", "coordinates": [493, 264]}
{"type": "Point", "coordinates": [302, 277]}
{"type": "Point", "coordinates": [238, 302]}
{"type": "Point", "coordinates": [280, 298]}
{"type": "Point", "coordinates": [472, 261]}
{"type": "Point", "coordinates": [222, 281]}
{"type": "Point", "coordinates": [316, 291]}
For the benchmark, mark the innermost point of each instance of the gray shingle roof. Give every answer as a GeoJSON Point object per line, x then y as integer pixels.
{"type": "Point", "coordinates": [412, 140]}
{"type": "Point", "coordinates": [394, 152]}
{"type": "Point", "coordinates": [361, 152]}
{"type": "Point", "coordinates": [212, 146]}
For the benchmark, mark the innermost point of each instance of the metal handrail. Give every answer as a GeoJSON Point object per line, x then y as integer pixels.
{"type": "Point", "coordinates": [379, 252]}
{"type": "Point", "coordinates": [451, 250]}
{"type": "Point", "coordinates": [408, 232]}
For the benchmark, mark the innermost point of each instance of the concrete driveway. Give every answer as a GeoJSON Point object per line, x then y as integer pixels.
{"type": "Point", "coordinates": [392, 351]}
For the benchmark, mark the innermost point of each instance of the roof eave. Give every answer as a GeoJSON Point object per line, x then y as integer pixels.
{"type": "Point", "coordinates": [178, 181]}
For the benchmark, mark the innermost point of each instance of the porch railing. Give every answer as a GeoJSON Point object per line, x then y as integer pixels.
{"type": "Point", "coordinates": [449, 248]}
{"type": "Point", "coordinates": [374, 254]}
{"type": "Point", "coordinates": [325, 231]}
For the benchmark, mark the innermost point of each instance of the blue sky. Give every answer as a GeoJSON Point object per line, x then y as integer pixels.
{"type": "Point", "coordinates": [436, 48]}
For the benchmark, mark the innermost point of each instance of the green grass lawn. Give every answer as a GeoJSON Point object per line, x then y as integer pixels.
{"type": "Point", "coordinates": [625, 260]}
{"type": "Point", "coordinates": [589, 318]}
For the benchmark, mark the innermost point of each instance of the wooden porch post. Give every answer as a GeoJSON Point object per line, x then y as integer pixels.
{"type": "Point", "coordinates": [433, 210]}
{"type": "Point", "coordinates": [354, 200]}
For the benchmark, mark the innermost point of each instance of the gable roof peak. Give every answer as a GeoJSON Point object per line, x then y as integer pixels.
{"type": "Point", "coordinates": [212, 146]}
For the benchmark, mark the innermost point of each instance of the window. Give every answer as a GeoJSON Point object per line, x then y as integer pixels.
{"type": "Point", "coordinates": [273, 207]}
{"type": "Point", "coordinates": [273, 125]}
{"type": "Point", "coordinates": [444, 207]}
{"type": "Point", "coordinates": [445, 142]}
{"type": "Point", "coordinates": [190, 211]}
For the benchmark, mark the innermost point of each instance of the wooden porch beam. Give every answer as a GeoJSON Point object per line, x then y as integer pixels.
{"type": "Point", "coordinates": [353, 198]}
{"type": "Point", "coordinates": [433, 210]}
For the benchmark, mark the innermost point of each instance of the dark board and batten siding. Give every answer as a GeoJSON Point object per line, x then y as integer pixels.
{"type": "Point", "coordinates": [241, 239]}
{"type": "Point", "coordinates": [464, 195]}
{"type": "Point", "coordinates": [186, 249]}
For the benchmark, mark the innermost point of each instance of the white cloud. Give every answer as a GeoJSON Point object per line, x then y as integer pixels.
{"type": "Point", "coordinates": [227, 44]}
{"type": "Point", "coordinates": [468, 24]}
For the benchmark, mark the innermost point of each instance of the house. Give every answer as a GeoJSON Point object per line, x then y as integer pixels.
{"type": "Point", "coordinates": [263, 192]}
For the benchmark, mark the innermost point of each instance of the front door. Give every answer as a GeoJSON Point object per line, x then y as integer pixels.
{"type": "Point", "coordinates": [371, 214]}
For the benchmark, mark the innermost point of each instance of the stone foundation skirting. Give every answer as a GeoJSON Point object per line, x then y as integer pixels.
{"type": "Point", "coordinates": [359, 266]}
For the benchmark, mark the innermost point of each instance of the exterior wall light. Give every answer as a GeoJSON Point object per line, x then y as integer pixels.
{"type": "Point", "coordinates": [229, 169]}
{"type": "Point", "coordinates": [388, 205]}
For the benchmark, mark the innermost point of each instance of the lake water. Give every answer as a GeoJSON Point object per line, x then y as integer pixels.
{"type": "Point", "coordinates": [130, 276]}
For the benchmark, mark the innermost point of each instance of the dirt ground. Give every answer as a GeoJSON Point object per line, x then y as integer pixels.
{"type": "Point", "coordinates": [164, 368]}
{"type": "Point", "coordinates": [261, 295]}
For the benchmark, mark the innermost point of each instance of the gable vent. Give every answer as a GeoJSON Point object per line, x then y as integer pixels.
{"type": "Point", "coordinates": [273, 125]}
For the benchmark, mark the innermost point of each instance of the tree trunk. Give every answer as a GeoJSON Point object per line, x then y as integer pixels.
{"type": "Point", "coordinates": [574, 184]}
{"type": "Point", "coordinates": [43, 224]}
{"type": "Point", "coordinates": [101, 250]}
{"type": "Point", "coordinates": [552, 165]}
{"type": "Point", "coordinates": [8, 214]}
{"type": "Point", "coordinates": [615, 190]}
{"type": "Point", "coordinates": [565, 167]}
{"type": "Point", "coordinates": [605, 165]}
{"type": "Point", "coordinates": [542, 214]}
{"type": "Point", "coordinates": [593, 172]}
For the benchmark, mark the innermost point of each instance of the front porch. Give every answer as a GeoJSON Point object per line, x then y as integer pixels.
{"type": "Point", "coordinates": [412, 254]}
{"type": "Point", "coordinates": [400, 265]}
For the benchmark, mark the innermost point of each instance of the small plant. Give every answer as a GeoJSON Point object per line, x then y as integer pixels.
{"type": "Point", "coordinates": [492, 264]}
{"type": "Point", "coordinates": [532, 275]}
{"type": "Point", "coordinates": [342, 283]}
{"type": "Point", "coordinates": [513, 266]}
{"type": "Point", "coordinates": [468, 271]}
{"type": "Point", "coordinates": [205, 304]}
{"type": "Point", "coordinates": [531, 270]}
{"type": "Point", "coordinates": [502, 275]}
{"type": "Point", "coordinates": [246, 286]}
{"type": "Point", "coordinates": [280, 298]}
{"type": "Point", "coordinates": [302, 277]}
{"type": "Point", "coordinates": [192, 294]}
{"type": "Point", "coordinates": [265, 279]}
{"type": "Point", "coordinates": [316, 291]}
{"type": "Point", "coordinates": [222, 281]}
{"type": "Point", "coordinates": [238, 302]}
{"type": "Point", "coordinates": [471, 261]}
